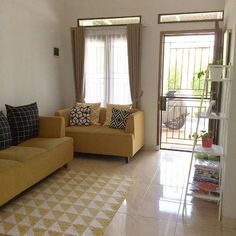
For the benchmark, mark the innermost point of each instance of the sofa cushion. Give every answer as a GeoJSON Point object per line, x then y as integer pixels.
{"type": "Point", "coordinates": [95, 110]}
{"type": "Point", "coordinates": [45, 143]}
{"type": "Point", "coordinates": [5, 165]}
{"type": "Point", "coordinates": [103, 140]}
{"type": "Point", "coordinates": [24, 122]}
{"type": "Point", "coordinates": [82, 129]}
{"type": "Point", "coordinates": [119, 118]}
{"type": "Point", "coordinates": [109, 111]}
{"type": "Point", "coordinates": [80, 115]}
{"type": "Point", "coordinates": [109, 131]}
{"type": "Point", "coordinates": [5, 132]}
{"type": "Point", "coordinates": [21, 154]}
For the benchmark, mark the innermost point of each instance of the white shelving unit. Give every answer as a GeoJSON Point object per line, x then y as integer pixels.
{"type": "Point", "coordinates": [215, 150]}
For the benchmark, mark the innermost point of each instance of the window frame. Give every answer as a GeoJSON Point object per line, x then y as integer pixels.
{"type": "Point", "coordinates": [104, 18]}
{"type": "Point", "coordinates": [189, 21]}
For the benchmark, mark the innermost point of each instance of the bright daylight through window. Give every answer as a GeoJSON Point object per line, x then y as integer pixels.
{"type": "Point", "coordinates": [191, 17]}
{"type": "Point", "coordinates": [106, 66]}
{"type": "Point", "coordinates": [109, 21]}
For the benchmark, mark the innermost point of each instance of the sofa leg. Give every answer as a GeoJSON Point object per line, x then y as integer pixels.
{"type": "Point", "coordinates": [66, 165]}
{"type": "Point", "coordinates": [127, 160]}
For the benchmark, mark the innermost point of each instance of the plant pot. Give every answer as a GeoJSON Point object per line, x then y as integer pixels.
{"type": "Point", "coordinates": [207, 142]}
{"type": "Point", "coordinates": [216, 72]}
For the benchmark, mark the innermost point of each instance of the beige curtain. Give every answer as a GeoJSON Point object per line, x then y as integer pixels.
{"type": "Point", "coordinates": [78, 48]}
{"type": "Point", "coordinates": [134, 59]}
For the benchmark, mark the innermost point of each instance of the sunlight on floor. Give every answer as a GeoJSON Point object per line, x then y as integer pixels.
{"type": "Point", "coordinates": [154, 204]}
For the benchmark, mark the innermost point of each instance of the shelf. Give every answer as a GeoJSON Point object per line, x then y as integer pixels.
{"type": "Point", "coordinates": [207, 164]}
{"type": "Point", "coordinates": [214, 150]}
{"type": "Point", "coordinates": [203, 196]}
{"type": "Point", "coordinates": [218, 73]}
{"type": "Point", "coordinates": [213, 116]}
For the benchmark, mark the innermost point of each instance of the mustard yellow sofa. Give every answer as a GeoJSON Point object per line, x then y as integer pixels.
{"type": "Point", "coordinates": [99, 139]}
{"type": "Point", "coordinates": [24, 165]}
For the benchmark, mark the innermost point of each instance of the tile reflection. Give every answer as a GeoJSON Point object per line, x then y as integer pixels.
{"type": "Point", "coordinates": [154, 204]}
{"type": "Point", "coordinates": [168, 206]}
{"type": "Point", "coordinates": [173, 169]}
{"type": "Point", "coordinates": [172, 193]}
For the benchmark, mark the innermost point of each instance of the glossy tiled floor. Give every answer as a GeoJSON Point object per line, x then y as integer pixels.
{"type": "Point", "coordinates": [153, 205]}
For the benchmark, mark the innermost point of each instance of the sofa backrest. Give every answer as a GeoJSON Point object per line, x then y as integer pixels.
{"type": "Point", "coordinates": [66, 114]}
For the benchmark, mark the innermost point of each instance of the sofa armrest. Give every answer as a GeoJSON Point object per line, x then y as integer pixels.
{"type": "Point", "coordinates": [135, 124]}
{"type": "Point", "coordinates": [65, 113]}
{"type": "Point", "coordinates": [51, 127]}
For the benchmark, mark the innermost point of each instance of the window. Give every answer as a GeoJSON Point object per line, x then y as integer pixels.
{"type": "Point", "coordinates": [106, 66]}
{"type": "Point", "coordinates": [110, 21]}
{"type": "Point", "coordinates": [191, 17]}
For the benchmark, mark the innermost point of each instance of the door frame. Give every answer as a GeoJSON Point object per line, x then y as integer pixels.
{"type": "Point", "coordinates": [160, 71]}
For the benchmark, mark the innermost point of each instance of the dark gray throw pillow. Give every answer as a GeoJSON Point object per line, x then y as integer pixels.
{"type": "Point", "coordinates": [5, 132]}
{"type": "Point", "coordinates": [119, 118]}
{"type": "Point", "coordinates": [23, 121]}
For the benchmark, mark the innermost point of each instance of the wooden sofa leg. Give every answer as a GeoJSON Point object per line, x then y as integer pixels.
{"type": "Point", "coordinates": [66, 165]}
{"type": "Point", "coordinates": [127, 160]}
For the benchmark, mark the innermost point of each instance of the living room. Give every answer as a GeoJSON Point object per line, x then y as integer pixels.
{"type": "Point", "coordinates": [30, 72]}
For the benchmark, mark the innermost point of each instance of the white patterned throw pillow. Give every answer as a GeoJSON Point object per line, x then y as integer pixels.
{"type": "Point", "coordinates": [80, 115]}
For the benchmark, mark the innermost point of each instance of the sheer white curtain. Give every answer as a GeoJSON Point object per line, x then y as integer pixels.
{"type": "Point", "coordinates": [106, 66]}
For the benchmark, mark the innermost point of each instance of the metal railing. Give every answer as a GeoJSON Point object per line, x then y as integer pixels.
{"type": "Point", "coordinates": [179, 122]}
{"type": "Point", "coordinates": [184, 57]}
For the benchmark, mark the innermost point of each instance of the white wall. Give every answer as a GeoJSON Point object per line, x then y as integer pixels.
{"type": "Point", "coordinates": [29, 29]}
{"type": "Point", "coordinates": [149, 10]}
{"type": "Point", "coordinates": [229, 197]}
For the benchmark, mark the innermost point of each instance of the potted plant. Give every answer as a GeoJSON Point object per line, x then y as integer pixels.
{"type": "Point", "coordinates": [207, 140]}
{"type": "Point", "coordinates": [216, 70]}
{"type": "Point", "coordinates": [206, 137]}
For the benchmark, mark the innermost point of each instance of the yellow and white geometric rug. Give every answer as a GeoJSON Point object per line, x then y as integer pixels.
{"type": "Point", "coordinates": [66, 203]}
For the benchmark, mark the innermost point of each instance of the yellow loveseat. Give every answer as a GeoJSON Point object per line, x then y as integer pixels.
{"type": "Point", "coordinates": [29, 162]}
{"type": "Point", "coordinates": [99, 139]}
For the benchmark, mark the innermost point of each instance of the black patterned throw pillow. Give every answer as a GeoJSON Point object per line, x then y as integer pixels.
{"type": "Point", "coordinates": [23, 121]}
{"type": "Point", "coordinates": [80, 115]}
{"type": "Point", "coordinates": [5, 132]}
{"type": "Point", "coordinates": [119, 118]}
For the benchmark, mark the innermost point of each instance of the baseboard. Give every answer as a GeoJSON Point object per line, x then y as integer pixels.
{"type": "Point", "coordinates": [151, 148]}
{"type": "Point", "coordinates": [229, 222]}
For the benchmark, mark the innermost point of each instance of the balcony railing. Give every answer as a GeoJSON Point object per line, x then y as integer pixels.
{"type": "Point", "coordinates": [179, 122]}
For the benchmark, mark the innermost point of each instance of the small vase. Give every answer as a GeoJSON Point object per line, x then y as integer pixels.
{"type": "Point", "coordinates": [207, 142]}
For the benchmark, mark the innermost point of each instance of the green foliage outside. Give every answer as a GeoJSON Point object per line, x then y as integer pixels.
{"type": "Point", "coordinates": [198, 83]}
{"type": "Point", "coordinates": [174, 80]}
